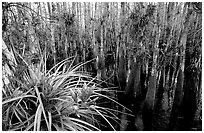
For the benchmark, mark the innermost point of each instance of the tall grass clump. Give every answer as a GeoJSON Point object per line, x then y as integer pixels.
{"type": "Point", "coordinates": [62, 98]}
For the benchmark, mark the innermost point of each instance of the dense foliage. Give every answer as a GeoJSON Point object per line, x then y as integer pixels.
{"type": "Point", "coordinates": [101, 66]}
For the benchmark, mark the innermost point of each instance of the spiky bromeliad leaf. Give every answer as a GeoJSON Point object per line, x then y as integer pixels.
{"type": "Point", "coordinates": [72, 95]}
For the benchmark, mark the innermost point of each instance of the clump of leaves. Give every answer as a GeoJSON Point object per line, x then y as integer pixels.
{"type": "Point", "coordinates": [66, 99]}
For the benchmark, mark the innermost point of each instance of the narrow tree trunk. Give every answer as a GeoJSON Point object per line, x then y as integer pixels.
{"type": "Point", "coordinates": [52, 28]}
{"type": "Point", "coordinates": [102, 45]}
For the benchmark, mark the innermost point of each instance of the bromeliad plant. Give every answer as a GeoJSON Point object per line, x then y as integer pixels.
{"type": "Point", "coordinates": [64, 99]}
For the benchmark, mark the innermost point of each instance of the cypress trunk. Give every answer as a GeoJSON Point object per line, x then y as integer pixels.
{"type": "Point", "coordinates": [159, 111]}
{"type": "Point", "coordinates": [137, 89]}
{"type": "Point", "coordinates": [149, 103]}
{"type": "Point", "coordinates": [121, 79]}
{"type": "Point", "coordinates": [130, 91]}
{"type": "Point", "coordinates": [177, 100]}
{"type": "Point", "coordinates": [189, 103]}
{"type": "Point", "coordinates": [122, 71]}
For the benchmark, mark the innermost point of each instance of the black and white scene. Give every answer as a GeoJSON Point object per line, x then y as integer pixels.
{"type": "Point", "coordinates": [101, 66]}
